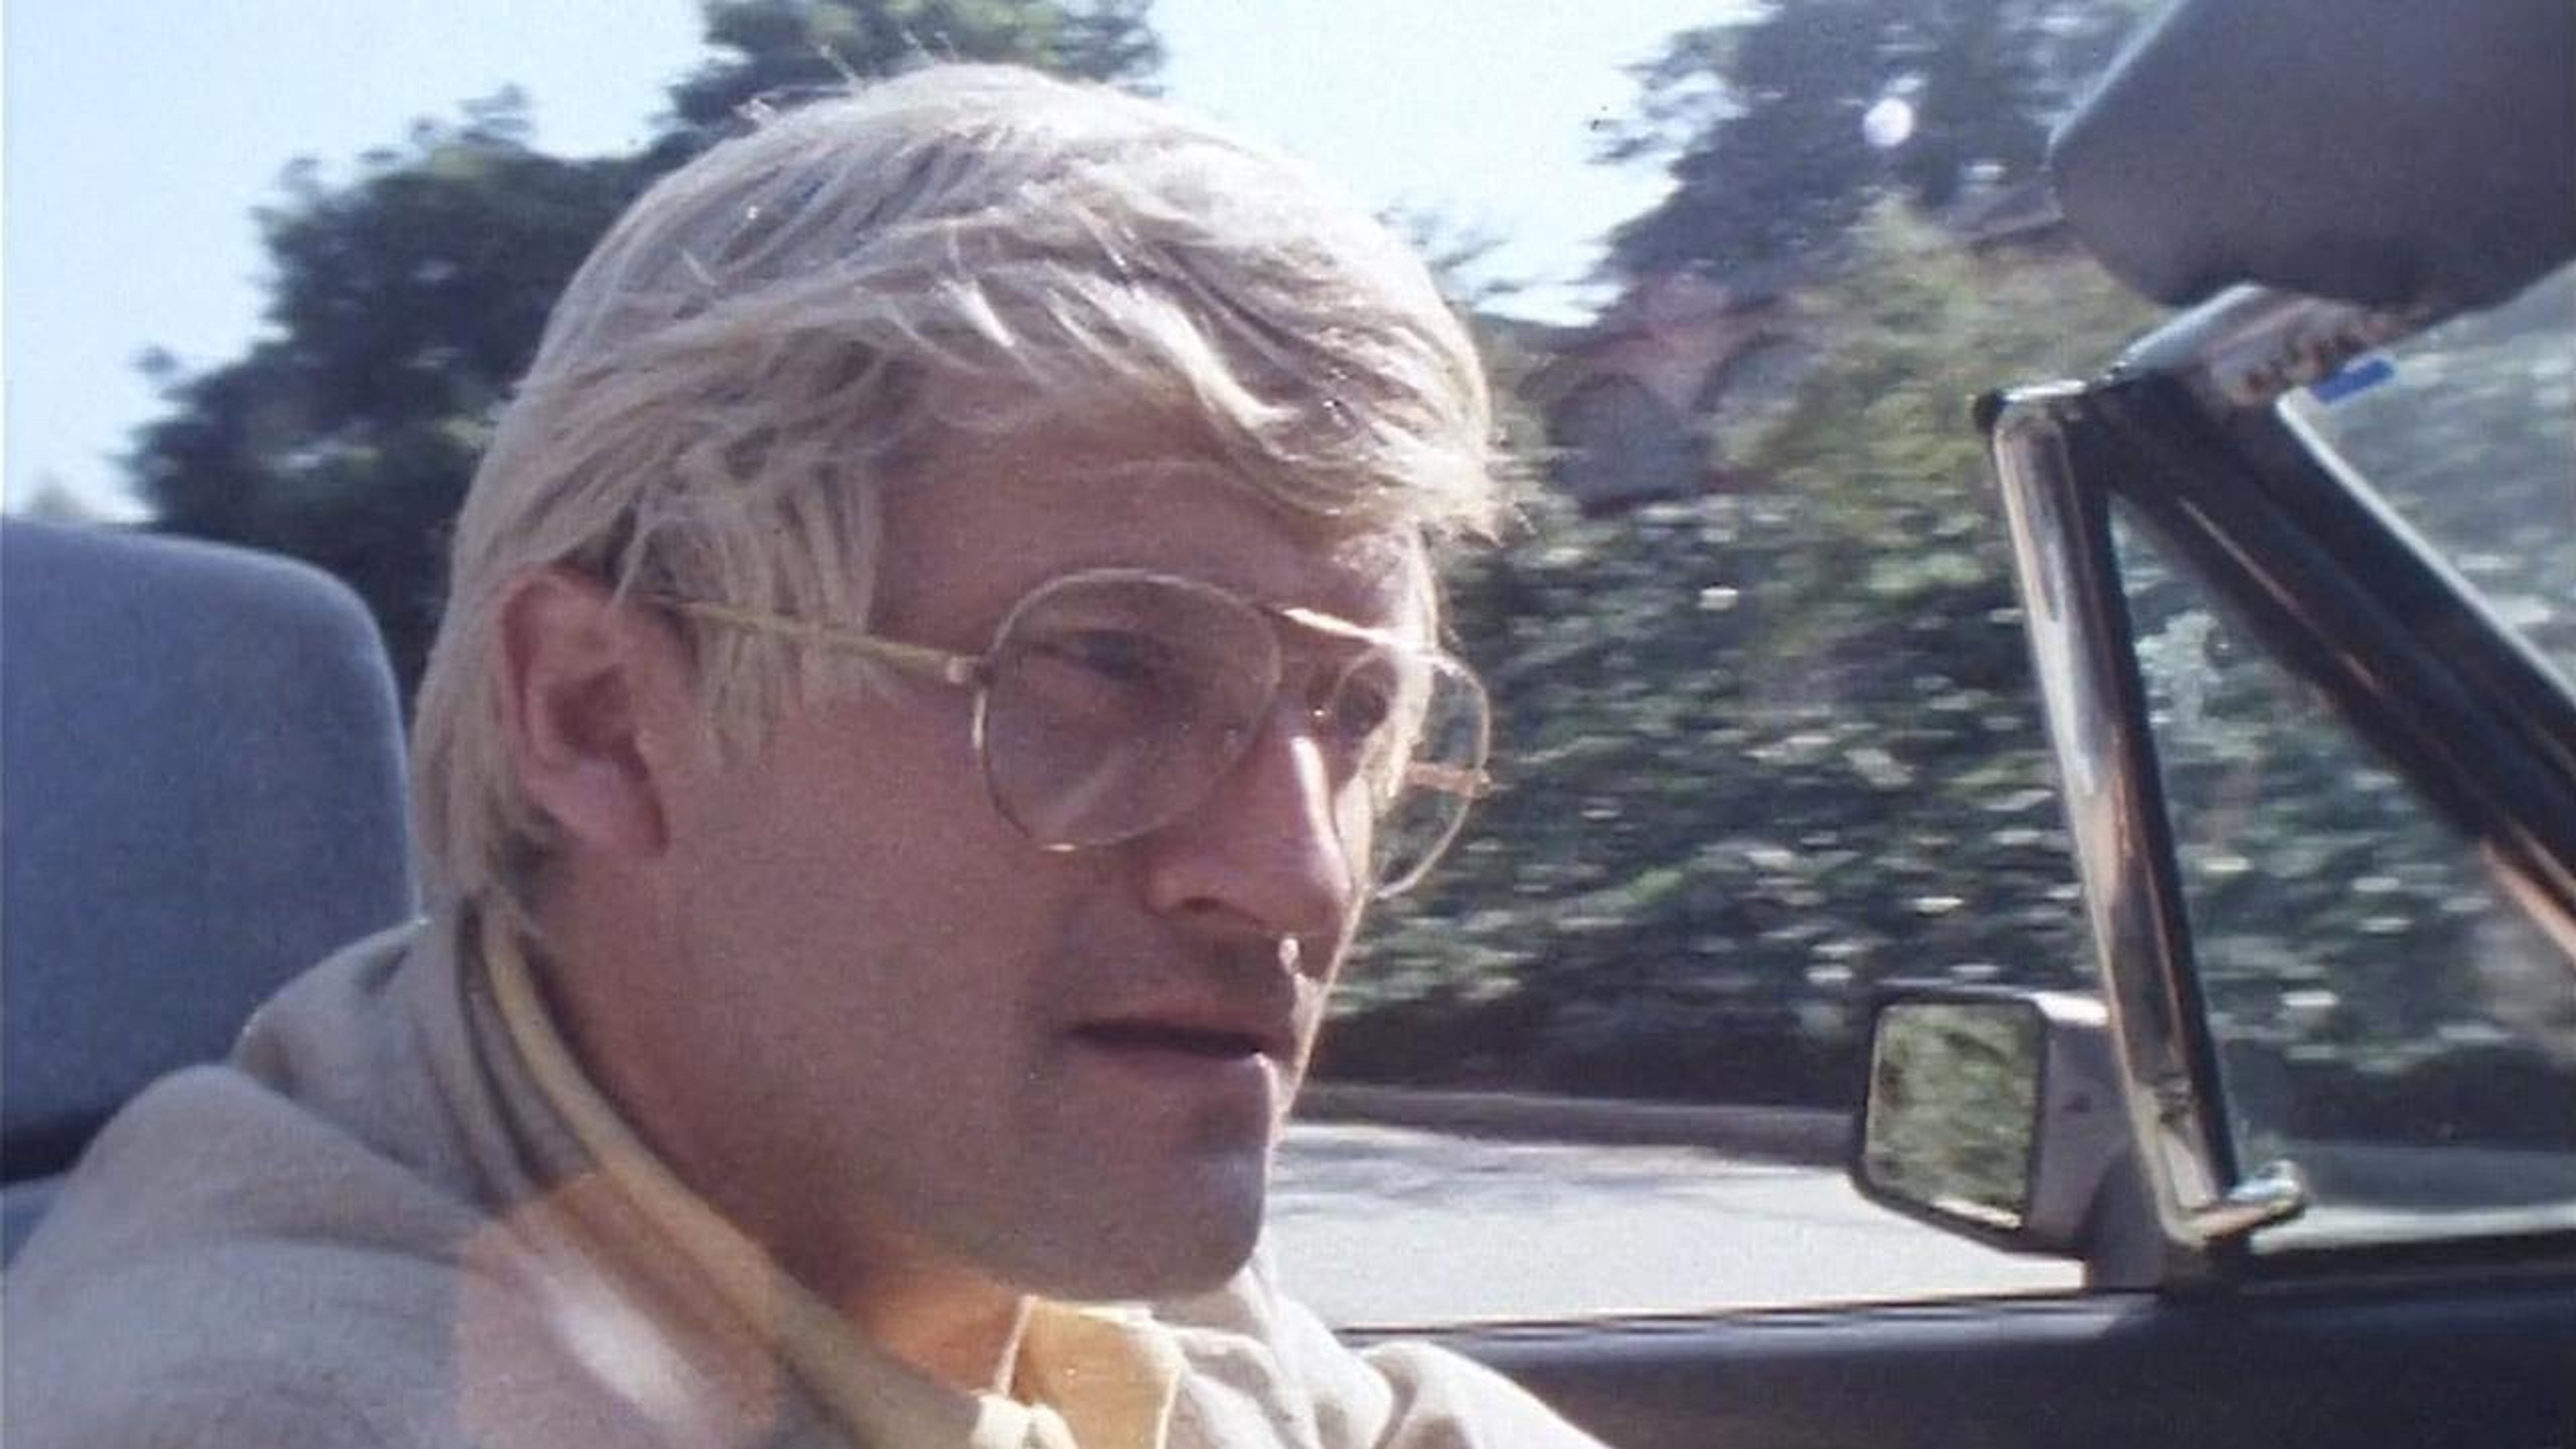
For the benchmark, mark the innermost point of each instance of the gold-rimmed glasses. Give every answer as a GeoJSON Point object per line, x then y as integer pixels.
{"type": "Point", "coordinates": [1112, 701]}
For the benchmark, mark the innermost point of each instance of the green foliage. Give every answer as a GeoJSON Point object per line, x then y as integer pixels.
{"type": "Point", "coordinates": [404, 304]}
{"type": "Point", "coordinates": [788, 46]}
{"type": "Point", "coordinates": [406, 300]}
{"type": "Point", "coordinates": [1761, 751]}
{"type": "Point", "coordinates": [1762, 117]}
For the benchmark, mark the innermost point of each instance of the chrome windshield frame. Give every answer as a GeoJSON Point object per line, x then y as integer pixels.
{"type": "Point", "coordinates": [2077, 626]}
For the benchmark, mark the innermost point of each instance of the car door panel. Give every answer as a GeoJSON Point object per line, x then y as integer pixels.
{"type": "Point", "coordinates": [2415, 1360]}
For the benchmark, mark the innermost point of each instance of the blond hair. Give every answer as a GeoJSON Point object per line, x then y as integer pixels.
{"type": "Point", "coordinates": [774, 328]}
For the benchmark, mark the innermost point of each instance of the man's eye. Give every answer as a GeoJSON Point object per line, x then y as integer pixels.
{"type": "Point", "coordinates": [1357, 713]}
{"type": "Point", "coordinates": [1105, 673]}
{"type": "Point", "coordinates": [1114, 656]}
{"type": "Point", "coordinates": [1361, 717]}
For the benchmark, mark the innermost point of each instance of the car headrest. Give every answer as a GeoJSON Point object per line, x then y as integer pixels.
{"type": "Point", "coordinates": [2392, 153]}
{"type": "Point", "coordinates": [202, 780]}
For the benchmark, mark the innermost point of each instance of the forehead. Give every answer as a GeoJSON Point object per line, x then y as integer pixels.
{"type": "Point", "coordinates": [979, 521]}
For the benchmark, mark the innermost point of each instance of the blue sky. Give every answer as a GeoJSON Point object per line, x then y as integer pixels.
{"type": "Point", "coordinates": [139, 136]}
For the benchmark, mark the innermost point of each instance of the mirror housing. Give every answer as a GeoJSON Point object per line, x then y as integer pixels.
{"type": "Point", "coordinates": [1998, 1115]}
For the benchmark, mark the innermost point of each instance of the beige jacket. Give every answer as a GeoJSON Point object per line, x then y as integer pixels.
{"type": "Point", "coordinates": [375, 1227]}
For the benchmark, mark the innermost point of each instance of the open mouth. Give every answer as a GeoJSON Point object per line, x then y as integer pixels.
{"type": "Point", "coordinates": [1208, 1044]}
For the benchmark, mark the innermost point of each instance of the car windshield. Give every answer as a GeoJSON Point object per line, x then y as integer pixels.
{"type": "Point", "coordinates": [2468, 430]}
{"type": "Point", "coordinates": [2385, 1000]}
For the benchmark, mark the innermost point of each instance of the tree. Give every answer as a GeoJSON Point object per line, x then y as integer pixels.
{"type": "Point", "coordinates": [805, 45]}
{"type": "Point", "coordinates": [1764, 117]}
{"type": "Point", "coordinates": [1759, 752]}
{"type": "Point", "coordinates": [406, 300]}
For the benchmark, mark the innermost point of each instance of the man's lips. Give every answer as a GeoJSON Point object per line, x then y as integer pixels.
{"type": "Point", "coordinates": [1213, 1037]}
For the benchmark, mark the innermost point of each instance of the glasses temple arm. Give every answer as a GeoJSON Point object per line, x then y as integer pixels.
{"type": "Point", "coordinates": [1462, 781]}
{"type": "Point", "coordinates": [964, 670]}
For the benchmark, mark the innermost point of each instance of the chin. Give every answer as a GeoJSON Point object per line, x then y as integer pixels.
{"type": "Point", "coordinates": [1162, 1247]}
{"type": "Point", "coordinates": [1200, 1266]}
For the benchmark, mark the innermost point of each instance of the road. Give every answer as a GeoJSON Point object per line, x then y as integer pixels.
{"type": "Point", "coordinates": [1394, 1226]}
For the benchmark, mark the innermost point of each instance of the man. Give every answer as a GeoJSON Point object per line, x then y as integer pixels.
{"type": "Point", "coordinates": [941, 652]}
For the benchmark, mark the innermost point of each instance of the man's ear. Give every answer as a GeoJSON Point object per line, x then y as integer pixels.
{"type": "Point", "coordinates": [588, 688]}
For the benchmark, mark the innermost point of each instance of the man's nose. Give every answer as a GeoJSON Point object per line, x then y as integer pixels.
{"type": "Point", "coordinates": [1262, 854]}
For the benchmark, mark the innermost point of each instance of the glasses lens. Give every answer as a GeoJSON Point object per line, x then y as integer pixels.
{"type": "Point", "coordinates": [1424, 791]}
{"type": "Point", "coordinates": [1114, 703]}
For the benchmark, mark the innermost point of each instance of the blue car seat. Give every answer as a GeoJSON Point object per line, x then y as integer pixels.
{"type": "Point", "coordinates": [201, 793]}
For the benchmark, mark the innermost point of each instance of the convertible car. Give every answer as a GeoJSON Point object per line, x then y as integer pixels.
{"type": "Point", "coordinates": [2299, 578]}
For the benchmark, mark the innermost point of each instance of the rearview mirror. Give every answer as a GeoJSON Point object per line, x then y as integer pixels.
{"type": "Point", "coordinates": [1998, 1115]}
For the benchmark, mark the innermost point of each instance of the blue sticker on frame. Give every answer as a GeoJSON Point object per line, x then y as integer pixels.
{"type": "Point", "coordinates": [2369, 372]}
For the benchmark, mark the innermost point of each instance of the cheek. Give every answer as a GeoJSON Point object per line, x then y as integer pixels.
{"type": "Point", "coordinates": [861, 854]}
{"type": "Point", "coordinates": [854, 792]}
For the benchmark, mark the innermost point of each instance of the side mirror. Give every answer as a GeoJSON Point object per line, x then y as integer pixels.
{"type": "Point", "coordinates": [1997, 1115]}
